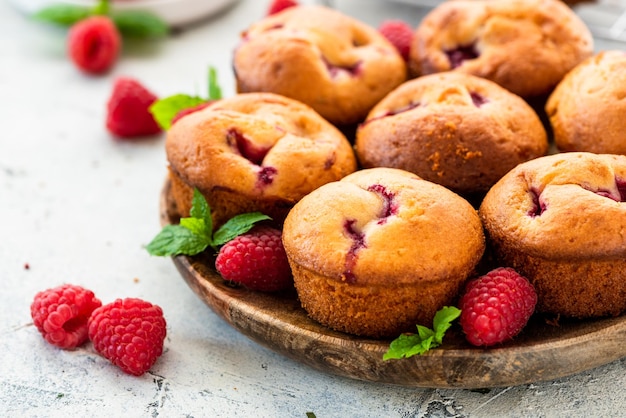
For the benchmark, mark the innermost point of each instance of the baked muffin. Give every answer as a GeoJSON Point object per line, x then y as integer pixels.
{"type": "Point", "coordinates": [526, 46]}
{"type": "Point", "coordinates": [560, 220]}
{"type": "Point", "coordinates": [454, 129]}
{"type": "Point", "coordinates": [337, 65]}
{"type": "Point", "coordinates": [380, 251]}
{"type": "Point", "coordinates": [254, 152]}
{"type": "Point", "coordinates": [587, 110]}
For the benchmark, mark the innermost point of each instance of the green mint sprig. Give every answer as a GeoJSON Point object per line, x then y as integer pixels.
{"type": "Point", "coordinates": [131, 23]}
{"type": "Point", "coordinates": [195, 234]}
{"type": "Point", "coordinates": [164, 110]}
{"type": "Point", "coordinates": [408, 345]}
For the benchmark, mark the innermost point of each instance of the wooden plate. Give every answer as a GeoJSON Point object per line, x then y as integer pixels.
{"type": "Point", "coordinates": [543, 351]}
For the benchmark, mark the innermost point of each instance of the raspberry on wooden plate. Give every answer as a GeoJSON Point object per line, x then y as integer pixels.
{"type": "Point", "coordinates": [256, 260]}
{"type": "Point", "coordinates": [496, 307]}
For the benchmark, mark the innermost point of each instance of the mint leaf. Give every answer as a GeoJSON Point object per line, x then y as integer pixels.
{"type": "Point", "coordinates": [139, 24]}
{"type": "Point", "coordinates": [62, 14]}
{"type": "Point", "coordinates": [408, 345]}
{"type": "Point", "coordinates": [101, 8]}
{"type": "Point", "coordinates": [237, 225]}
{"type": "Point", "coordinates": [215, 92]}
{"type": "Point", "coordinates": [130, 23]}
{"type": "Point", "coordinates": [402, 345]}
{"type": "Point", "coordinates": [443, 320]}
{"type": "Point", "coordinates": [176, 240]}
{"type": "Point", "coordinates": [197, 226]}
{"type": "Point", "coordinates": [425, 332]}
{"type": "Point", "coordinates": [200, 209]}
{"type": "Point", "coordinates": [165, 109]}
{"type": "Point", "coordinates": [194, 234]}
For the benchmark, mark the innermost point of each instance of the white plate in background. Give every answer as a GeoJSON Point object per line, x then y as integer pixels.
{"type": "Point", "coordinates": [174, 12]}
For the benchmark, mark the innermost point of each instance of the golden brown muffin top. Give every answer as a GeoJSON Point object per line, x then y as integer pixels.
{"type": "Point", "coordinates": [526, 46]}
{"type": "Point", "coordinates": [260, 145]}
{"type": "Point", "coordinates": [564, 206]}
{"type": "Point", "coordinates": [588, 108]}
{"type": "Point", "coordinates": [454, 129]}
{"type": "Point", "coordinates": [330, 61]}
{"type": "Point", "coordinates": [384, 226]}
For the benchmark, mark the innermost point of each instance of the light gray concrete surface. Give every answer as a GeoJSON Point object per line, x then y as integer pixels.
{"type": "Point", "coordinates": [77, 206]}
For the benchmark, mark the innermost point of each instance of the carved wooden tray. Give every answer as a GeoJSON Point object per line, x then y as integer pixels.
{"type": "Point", "coordinates": [543, 351]}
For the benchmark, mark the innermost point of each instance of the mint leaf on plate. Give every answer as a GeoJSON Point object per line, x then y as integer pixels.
{"type": "Point", "coordinates": [195, 233]}
{"type": "Point", "coordinates": [236, 226]}
{"type": "Point", "coordinates": [408, 345]}
{"type": "Point", "coordinates": [176, 240]}
{"type": "Point", "coordinates": [443, 320]}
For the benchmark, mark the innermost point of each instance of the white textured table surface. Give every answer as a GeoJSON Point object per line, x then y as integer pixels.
{"type": "Point", "coordinates": [78, 207]}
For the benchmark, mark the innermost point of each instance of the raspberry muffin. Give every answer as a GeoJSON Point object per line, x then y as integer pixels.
{"type": "Point", "coordinates": [387, 250]}
{"type": "Point", "coordinates": [587, 110]}
{"type": "Point", "coordinates": [454, 129]}
{"type": "Point", "coordinates": [254, 152]}
{"type": "Point", "coordinates": [337, 65]}
{"type": "Point", "coordinates": [526, 46]}
{"type": "Point", "coordinates": [560, 221]}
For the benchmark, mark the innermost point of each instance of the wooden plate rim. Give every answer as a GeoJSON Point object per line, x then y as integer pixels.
{"type": "Point", "coordinates": [280, 324]}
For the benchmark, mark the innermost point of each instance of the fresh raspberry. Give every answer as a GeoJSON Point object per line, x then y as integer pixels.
{"type": "Point", "coordinates": [190, 110]}
{"type": "Point", "coordinates": [496, 307]}
{"type": "Point", "coordinates": [256, 260]}
{"type": "Point", "coordinates": [129, 332]}
{"type": "Point", "coordinates": [94, 44]}
{"type": "Point", "coordinates": [128, 113]}
{"type": "Point", "coordinates": [280, 5]}
{"type": "Point", "coordinates": [61, 314]}
{"type": "Point", "coordinates": [399, 33]}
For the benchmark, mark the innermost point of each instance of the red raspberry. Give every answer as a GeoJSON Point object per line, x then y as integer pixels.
{"type": "Point", "coordinates": [280, 5]}
{"type": "Point", "coordinates": [399, 33]}
{"type": "Point", "coordinates": [129, 332]}
{"type": "Point", "coordinates": [61, 314]}
{"type": "Point", "coordinates": [94, 44]}
{"type": "Point", "coordinates": [496, 307]}
{"type": "Point", "coordinates": [190, 110]}
{"type": "Point", "coordinates": [128, 113]}
{"type": "Point", "coordinates": [256, 260]}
